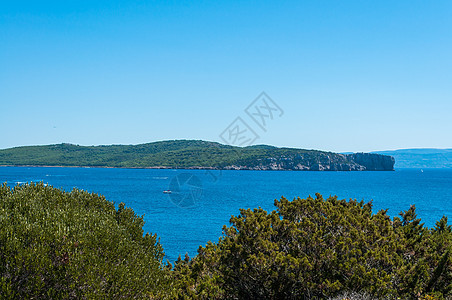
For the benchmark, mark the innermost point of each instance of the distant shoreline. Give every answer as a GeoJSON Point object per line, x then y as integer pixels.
{"type": "Point", "coordinates": [214, 169]}
{"type": "Point", "coordinates": [187, 168]}
{"type": "Point", "coordinates": [192, 155]}
{"type": "Point", "coordinates": [109, 167]}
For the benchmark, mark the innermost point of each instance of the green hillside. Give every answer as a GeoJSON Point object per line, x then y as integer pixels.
{"type": "Point", "coordinates": [191, 154]}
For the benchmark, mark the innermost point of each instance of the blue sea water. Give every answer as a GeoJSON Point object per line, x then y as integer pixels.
{"type": "Point", "coordinates": [202, 201]}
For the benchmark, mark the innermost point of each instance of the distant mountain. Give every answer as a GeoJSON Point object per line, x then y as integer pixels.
{"type": "Point", "coordinates": [421, 158]}
{"type": "Point", "coordinates": [193, 154]}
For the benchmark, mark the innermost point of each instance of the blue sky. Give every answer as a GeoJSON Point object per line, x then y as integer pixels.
{"type": "Point", "coordinates": [349, 75]}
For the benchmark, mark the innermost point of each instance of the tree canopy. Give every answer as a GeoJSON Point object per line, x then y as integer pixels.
{"type": "Point", "coordinates": [77, 245]}
{"type": "Point", "coordinates": [60, 245]}
{"type": "Point", "coordinates": [317, 248]}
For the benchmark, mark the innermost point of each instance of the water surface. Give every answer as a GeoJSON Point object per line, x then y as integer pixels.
{"type": "Point", "coordinates": [203, 201]}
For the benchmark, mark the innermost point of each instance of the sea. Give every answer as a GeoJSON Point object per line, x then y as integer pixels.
{"type": "Point", "coordinates": [188, 208]}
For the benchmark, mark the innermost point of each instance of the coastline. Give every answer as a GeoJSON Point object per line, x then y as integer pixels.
{"type": "Point", "coordinates": [192, 155]}
{"type": "Point", "coordinates": [228, 168]}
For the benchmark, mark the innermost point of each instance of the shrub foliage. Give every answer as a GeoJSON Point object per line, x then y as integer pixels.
{"type": "Point", "coordinates": [77, 245]}
{"type": "Point", "coordinates": [318, 248]}
{"type": "Point", "coordinates": [60, 245]}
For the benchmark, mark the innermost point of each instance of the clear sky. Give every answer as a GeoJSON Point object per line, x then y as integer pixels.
{"type": "Point", "coordinates": [349, 75]}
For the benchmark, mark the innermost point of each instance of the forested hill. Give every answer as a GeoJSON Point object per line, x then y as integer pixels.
{"type": "Point", "coordinates": [186, 154]}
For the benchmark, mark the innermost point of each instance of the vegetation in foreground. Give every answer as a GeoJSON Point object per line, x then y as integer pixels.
{"type": "Point", "coordinates": [60, 245]}
{"type": "Point", "coordinates": [318, 248]}
{"type": "Point", "coordinates": [77, 245]}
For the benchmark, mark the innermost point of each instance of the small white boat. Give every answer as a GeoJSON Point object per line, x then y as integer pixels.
{"type": "Point", "coordinates": [166, 192]}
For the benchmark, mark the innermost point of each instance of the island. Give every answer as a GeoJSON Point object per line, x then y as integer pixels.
{"type": "Point", "coordinates": [193, 154]}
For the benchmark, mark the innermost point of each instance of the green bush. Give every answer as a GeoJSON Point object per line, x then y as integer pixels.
{"type": "Point", "coordinates": [77, 245]}
{"type": "Point", "coordinates": [314, 249]}
{"type": "Point", "coordinates": [60, 245]}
